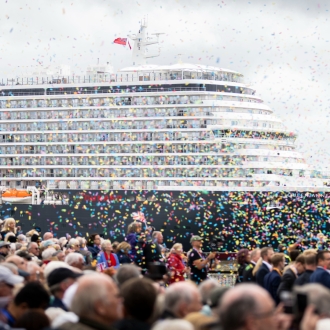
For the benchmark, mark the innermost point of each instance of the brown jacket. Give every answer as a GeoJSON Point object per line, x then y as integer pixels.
{"type": "Point", "coordinates": [84, 324]}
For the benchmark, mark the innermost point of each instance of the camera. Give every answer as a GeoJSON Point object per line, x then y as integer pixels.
{"type": "Point", "coordinates": [216, 243]}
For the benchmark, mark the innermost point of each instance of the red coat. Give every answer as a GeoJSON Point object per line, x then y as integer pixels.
{"type": "Point", "coordinates": [176, 267]}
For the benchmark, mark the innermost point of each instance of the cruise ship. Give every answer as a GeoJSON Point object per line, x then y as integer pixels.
{"type": "Point", "coordinates": [187, 148]}
{"type": "Point", "coordinates": [148, 127]}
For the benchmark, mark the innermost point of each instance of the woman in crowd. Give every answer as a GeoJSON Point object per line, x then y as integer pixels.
{"type": "Point", "coordinates": [243, 259]}
{"type": "Point", "coordinates": [175, 264]}
{"type": "Point", "coordinates": [133, 235]}
{"type": "Point", "coordinates": [93, 245]}
{"type": "Point", "coordinates": [123, 253]}
{"type": "Point", "coordinates": [106, 258]}
{"type": "Point", "coordinates": [9, 226]}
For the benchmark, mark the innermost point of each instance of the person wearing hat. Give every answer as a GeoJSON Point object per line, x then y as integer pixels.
{"type": "Point", "coordinates": [7, 282]}
{"type": "Point", "coordinates": [197, 261]}
{"type": "Point", "coordinates": [4, 248]}
{"type": "Point", "coordinates": [59, 280]}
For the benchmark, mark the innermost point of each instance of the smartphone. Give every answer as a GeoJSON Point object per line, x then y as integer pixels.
{"type": "Point", "coordinates": [287, 300]}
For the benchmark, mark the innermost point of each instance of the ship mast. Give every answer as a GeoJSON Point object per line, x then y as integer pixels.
{"type": "Point", "coordinates": [141, 41]}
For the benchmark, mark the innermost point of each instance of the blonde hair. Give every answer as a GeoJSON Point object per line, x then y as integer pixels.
{"type": "Point", "coordinates": [257, 266]}
{"type": "Point", "coordinates": [10, 234]}
{"type": "Point", "coordinates": [175, 246]}
{"type": "Point", "coordinates": [123, 246]}
{"type": "Point", "coordinates": [6, 225]}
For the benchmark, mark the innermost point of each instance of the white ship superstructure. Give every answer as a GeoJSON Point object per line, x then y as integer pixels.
{"type": "Point", "coordinates": [180, 126]}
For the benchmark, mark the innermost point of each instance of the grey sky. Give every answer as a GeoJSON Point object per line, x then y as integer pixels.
{"type": "Point", "coordinates": [281, 47]}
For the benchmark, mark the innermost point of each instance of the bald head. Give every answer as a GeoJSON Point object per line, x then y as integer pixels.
{"type": "Point", "coordinates": [47, 236]}
{"type": "Point", "coordinates": [97, 298]}
{"type": "Point", "coordinates": [241, 306]}
{"type": "Point", "coordinates": [18, 261]}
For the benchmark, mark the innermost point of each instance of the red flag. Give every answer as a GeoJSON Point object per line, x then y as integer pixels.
{"type": "Point", "coordinates": [120, 41]}
{"type": "Point", "coordinates": [129, 45]}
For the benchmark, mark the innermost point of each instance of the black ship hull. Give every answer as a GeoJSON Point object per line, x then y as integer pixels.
{"type": "Point", "coordinates": [240, 218]}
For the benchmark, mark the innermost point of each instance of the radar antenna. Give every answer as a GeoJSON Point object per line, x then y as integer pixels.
{"type": "Point", "coordinates": [141, 41]}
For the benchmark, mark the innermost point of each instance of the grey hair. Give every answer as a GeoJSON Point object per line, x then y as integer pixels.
{"type": "Point", "coordinates": [22, 238]}
{"type": "Point", "coordinates": [72, 258]}
{"type": "Point", "coordinates": [173, 325]}
{"type": "Point", "coordinates": [48, 253]}
{"type": "Point", "coordinates": [74, 241]}
{"type": "Point", "coordinates": [126, 272]}
{"type": "Point", "coordinates": [62, 241]}
{"type": "Point", "coordinates": [155, 233]}
{"type": "Point", "coordinates": [206, 287]}
{"type": "Point", "coordinates": [233, 316]}
{"type": "Point", "coordinates": [81, 240]}
{"type": "Point", "coordinates": [104, 243]}
{"type": "Point", "coordinates": [83, 302]}
{"type": "Point", "coordinates": [317, 295]}
{"type": "Point", "coordinates": [177, 293]}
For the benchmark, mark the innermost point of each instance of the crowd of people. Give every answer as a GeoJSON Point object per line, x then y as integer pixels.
{"type": "Point", "coordinates": [91, 283]}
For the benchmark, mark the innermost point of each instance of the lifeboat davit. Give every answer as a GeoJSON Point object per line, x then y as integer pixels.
{"type": "Point", "coordinates": [17, 196]}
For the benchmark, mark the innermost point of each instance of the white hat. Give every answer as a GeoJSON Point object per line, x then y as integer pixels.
{"type": "Point", "coordinates": [8, 277]}
{"type": "Point", "coordinates": [323, 324]}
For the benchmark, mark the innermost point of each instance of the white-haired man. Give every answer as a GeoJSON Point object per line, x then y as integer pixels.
{"type": "Point", "coordinates": [77, 244]}
{"type": "Point", "coordinates": [181, 298]}
{"type": "Point", "coordinates": [96, 302]}
{"type": "Point", "coordinates": [75, 260]}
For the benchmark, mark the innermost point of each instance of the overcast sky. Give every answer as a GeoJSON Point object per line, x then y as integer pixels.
{"type": "Point", "coordinates": [281, 47]}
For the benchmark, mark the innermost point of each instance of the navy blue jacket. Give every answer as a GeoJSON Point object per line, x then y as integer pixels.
{"type": "Point", "coordinates": [320, 276]}
{"type": "Point", "coordinates": [271, 283]}
{"type": "Point", "coordinates": [261, 273]}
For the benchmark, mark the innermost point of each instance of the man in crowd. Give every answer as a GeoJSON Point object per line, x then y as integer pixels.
{"type": "Point", "coordinates": [139, 295]}
{"type": "Point", "coordinates": [197, 261]}
{"type": "Point", "coordinates": [152, 250]}
{"type": "Point", "coordinates": [47, 236]}
{"type": "Point", "coordinates": [75, 245]}
{"type": "Point", "coordinates": [250, 307]}
{"type": "Point", "coordinates": [310, 266]}
{"type": "Point", "coordinates": [32, 296]}
{"type": "Point", "coordinates": [247, 273]}
{"type": "Point", "coordinates": [59, 280]}
{"type": "Point", "coordinates": [126, 272]}
{"type": "Point", "coordinates": [291, 274]}
{"type": "Point", "coordinates": [321, 274]}
{"type": "Point", "coordinates": [181, 298]}
{"type": "Point", "coordinates": [266, 254]}
{"type": "Point", "coordinates": [75, 260]}
{"type": "Point", "coordinates": [7, 282]}
{"type": "Point", "coordinates": [34, 249]}
{"type": "Point", "coordinates": [4, 248]}
{"type": "Point", "coordinates": [273, 279]}
{"type": "Point", "coordinates": [96, 302]}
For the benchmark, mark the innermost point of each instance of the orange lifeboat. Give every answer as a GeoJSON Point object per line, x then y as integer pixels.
{"type": "Point", "coordinates": [16, 196]}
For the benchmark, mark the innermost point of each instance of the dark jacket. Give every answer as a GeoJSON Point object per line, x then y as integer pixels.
{"type": "Point", "coordinates": [247, 273]}
{"type": "Point", "coordinates": [287, 281]}
{"type": "Point", "coordinates": [131, 324]}
{"type": "Point", "coordinates": [152, 252]}
{"type": "Point", "coordinates": [321, 276]}
{"type": "Point", "coordinates": [304, 278]}
{"type": "Point", "coordinates": [271, 283]}
{"type": "Point", "coordinates": [261, 273]}
{"type": "Point", "coordinates": [132, 240]}
{"type": "Point", "coordinates": [241, 269]}
{"type": "Point", "coordinates": [124, 258]}
{"type": "Point", "coordinates": [55, 302]}
{"type": "Point", "coordinates": [94, 250]}
{"type": "Point", "coordinates": [87, 255]}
